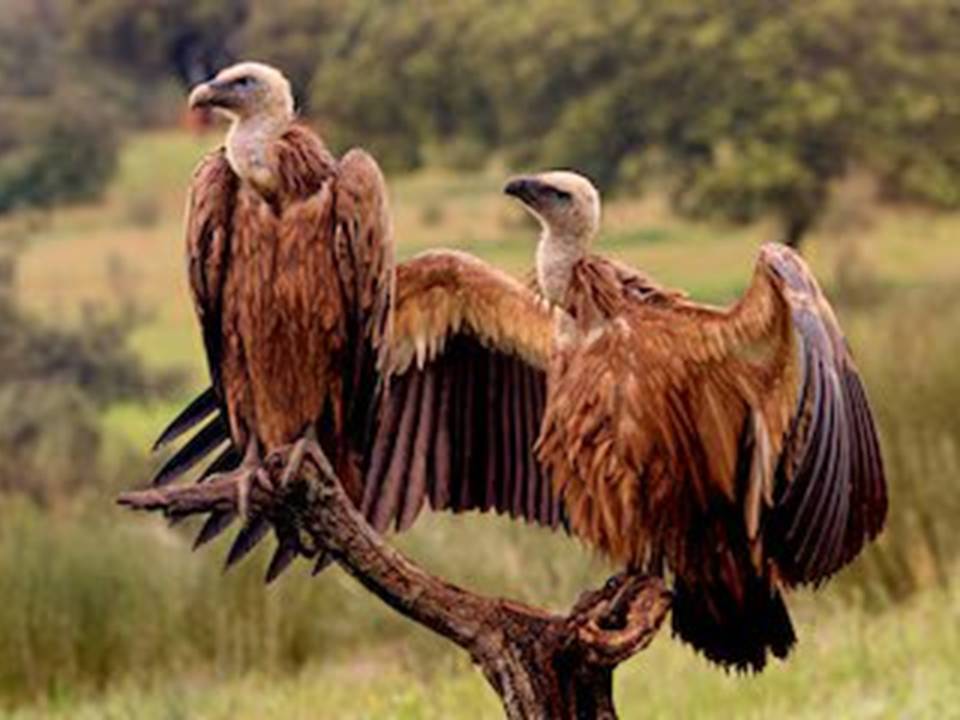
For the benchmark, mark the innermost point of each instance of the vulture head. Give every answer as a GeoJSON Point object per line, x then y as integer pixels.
{"type": "Point", "coordinates": [566, 204]}
{"type": "Point", "coordinates": [248, 90]}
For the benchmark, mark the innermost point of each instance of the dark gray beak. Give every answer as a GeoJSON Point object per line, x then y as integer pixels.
{"type": "Point", "coordinates": [525, 189]}
{"type": "Point", "coordinates": [211, 94]}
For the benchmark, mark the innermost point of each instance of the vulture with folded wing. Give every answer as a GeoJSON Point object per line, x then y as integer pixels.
{"type": "Point", "coordinates": [730, 449]}
{"type": "Point", "coordinates": [290, 265]}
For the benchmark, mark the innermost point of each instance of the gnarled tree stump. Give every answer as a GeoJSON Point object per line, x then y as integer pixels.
{"type": "Point", "coordinates": [542, 665]}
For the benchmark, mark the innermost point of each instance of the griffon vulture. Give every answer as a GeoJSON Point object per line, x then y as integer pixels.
{"type": "Point", "coordinates": [290, 266]}
{"type": "Point", "coordinates": [731, 449]}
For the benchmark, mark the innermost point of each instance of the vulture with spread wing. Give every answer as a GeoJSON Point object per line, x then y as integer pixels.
{"type": "Point", "coordinates": [290, 266]}
{"type": "Point", "coordinates": [731, 449]}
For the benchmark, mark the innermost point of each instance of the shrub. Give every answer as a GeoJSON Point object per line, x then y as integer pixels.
{"type": "Point", "coordinates": [56, 150]}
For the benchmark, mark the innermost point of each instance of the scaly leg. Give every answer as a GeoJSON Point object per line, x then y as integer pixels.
{"type": "Point", "coordinates": [308, 446]}
{"type": "Point", "coordinates": [250, 469]}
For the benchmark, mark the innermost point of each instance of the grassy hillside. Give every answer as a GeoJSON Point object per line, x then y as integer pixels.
{"type": "Point", "coordinates": [109, 615]}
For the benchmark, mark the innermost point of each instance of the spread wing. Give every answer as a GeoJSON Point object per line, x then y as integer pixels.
{"type": "Point", "coordinates": [736, 447]}
{"type": "Point", "coordinates": [464, 397]}
{"type": "Point", "coordinates": [461, 398]}
{"type": "Point", "coordinates": [759, 407]}
{"type": "Point", "coordinates": [829, 487]}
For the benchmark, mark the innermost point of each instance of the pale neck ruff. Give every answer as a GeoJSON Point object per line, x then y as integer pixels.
{"type": "Point", "coordinates": [248, 148]}
{"type": "Point", "coordinates": [556, 257]}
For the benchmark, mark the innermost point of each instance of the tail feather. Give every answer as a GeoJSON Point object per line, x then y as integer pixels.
{"type": "Point", "coordinates": [735, 634]}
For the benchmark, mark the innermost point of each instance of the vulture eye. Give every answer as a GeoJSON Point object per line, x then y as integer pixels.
{"type": "Point", "coordinates": [244, 82]}
{"type": "Point", "coordinates": [558, 195]}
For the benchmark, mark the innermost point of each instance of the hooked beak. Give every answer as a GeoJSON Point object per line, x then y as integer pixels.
{"type": "Point", "coordinates": [208, 95]}
{"type": "Point", "coordinates": [525, 189]}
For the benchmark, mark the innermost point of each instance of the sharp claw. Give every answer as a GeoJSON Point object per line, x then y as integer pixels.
{"type": "Point", "coordinates": [284, 555]}
{"type": "Point", "coordinates": [323, 562]}
{"type": "Point", "coordinates": [216, 523]}
{"type": "Point", "coordinates": [174, 519]}
{"type": "Point", "coordinates": [243, 495]}
{"type": "Point", "coordinates": [306, 446]}
{"type": "Point", "coordinates": [320, 458]}
{"type": "Point", "coordinates": [247, 540]}
{"type": "Point", "coordinates": [294, 462]}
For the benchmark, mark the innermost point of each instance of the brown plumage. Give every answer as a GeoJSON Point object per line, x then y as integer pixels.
{"type": "Point", "coordinates": [290, 265]}
{"type": "Point", "coordinates": [457, 421]}
{"type": "Point", "coordinates": [466, 395]}
{"type": "Point", "coordinates": [732, 449]}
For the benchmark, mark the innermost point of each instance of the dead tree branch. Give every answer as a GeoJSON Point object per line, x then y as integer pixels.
{"type": "Point", "coordinates": [542, 665]}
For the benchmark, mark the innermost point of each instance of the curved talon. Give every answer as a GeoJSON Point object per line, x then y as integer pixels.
{"type": "Point", "coordinates": [297, 454]}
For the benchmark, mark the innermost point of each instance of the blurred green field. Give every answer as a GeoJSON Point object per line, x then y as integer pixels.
{"type": "Point", "coordinates": [874, 668]}
{"type": "Point", "coordinates": [109, 616]}
{"type": "Point", "coordinates": [123, 622]}
{"type": "Point", "coordinates": [134, 240]}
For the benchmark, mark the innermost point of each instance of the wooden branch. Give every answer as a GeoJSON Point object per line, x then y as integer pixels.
{"type": "Point", "coordinates": [542, 665]}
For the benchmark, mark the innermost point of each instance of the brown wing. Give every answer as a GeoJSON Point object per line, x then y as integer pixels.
{"type": "Point", "coordinates": [364, 252]}
{"type": "Point", "coordinates": [735, 446]}
{"type": "Point", "coordinates": [210, 207]}
{"type": "Point", "coordinates": [464, 396]}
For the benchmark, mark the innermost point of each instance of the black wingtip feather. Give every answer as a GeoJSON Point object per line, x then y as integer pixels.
{"type": "Point", "coordinates": [282, 558]}
{"type": "Point", "coordinates": [211, 436]}
{"type": "Point", "coordinates": [229, 459]}
{"type": "Point", "coordinates": [324, 560]}
{"type": "Point", "coordinates": [198, 410]}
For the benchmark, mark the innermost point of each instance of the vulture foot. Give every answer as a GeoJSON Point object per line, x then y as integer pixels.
{"type": "Point", "coordinates": [291, 541]}
{"type": "Point", "coordinates": [243, 479]}
{"type": "Point", "coordinates": [305, 448]}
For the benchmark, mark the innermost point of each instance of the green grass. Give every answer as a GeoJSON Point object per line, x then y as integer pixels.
{"type": "Point", "coordinates": [108, 615]}
{"type": "Point", "coordinates": [849, 665]}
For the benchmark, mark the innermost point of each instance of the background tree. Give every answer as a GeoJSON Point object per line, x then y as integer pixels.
{"type": "Point", "coordinates": [400, 78]}
{"type": "Point", "coordinates": [744, 109]}
{"type": "Point", "coordinates": [739, 110]}
{"type": "Point", "coordinates": [59, 134]}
